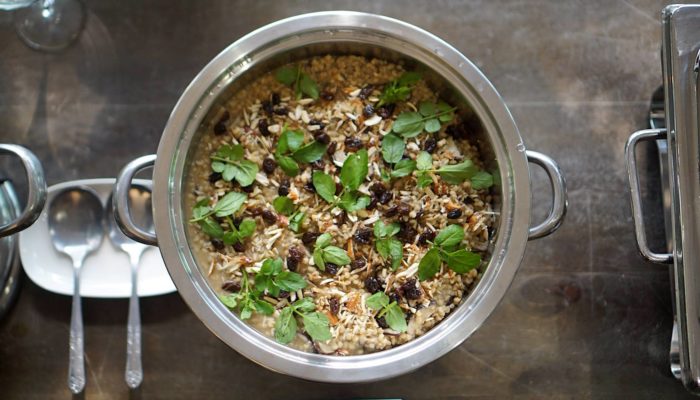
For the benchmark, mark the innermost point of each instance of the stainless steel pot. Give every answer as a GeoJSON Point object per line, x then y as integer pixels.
{"type": "Point", "coordinates": [355, 33]}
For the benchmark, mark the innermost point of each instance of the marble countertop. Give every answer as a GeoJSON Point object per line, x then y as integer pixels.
{"type": "Point", "coordinates": [586, 316]}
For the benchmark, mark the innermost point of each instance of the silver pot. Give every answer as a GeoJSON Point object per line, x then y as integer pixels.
{"type": "Point", "coordinates": [341, 33]}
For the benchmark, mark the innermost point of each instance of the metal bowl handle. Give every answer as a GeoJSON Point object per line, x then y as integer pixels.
{"type": "Point", "coordinates": [36, 185]}
{"type": "Point", "coordinates": [120, 200]}
{"type": "Point", "coordinates": [559, 200]}
{"type": "Point", "coordinates": [637, 216]}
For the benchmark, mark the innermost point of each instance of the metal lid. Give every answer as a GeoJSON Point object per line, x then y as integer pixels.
{"type": "Point", "coordinates": [681, 43]}
{"type": "Point", "coordinates": [9, 256]}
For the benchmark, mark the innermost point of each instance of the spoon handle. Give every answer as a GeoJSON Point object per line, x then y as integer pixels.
{"type": "Point", "coordinates": [134, 369]}
{"type": "Point", "coordinates": [76, 364]}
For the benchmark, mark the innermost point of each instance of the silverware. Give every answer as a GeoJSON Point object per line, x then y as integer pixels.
{"type": "Point", "coordinates": [76, 226]}
{"type": "Point", "coordinates": [140, 202]}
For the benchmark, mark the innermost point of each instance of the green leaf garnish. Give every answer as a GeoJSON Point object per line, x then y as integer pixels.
{"type": "Point", "coordinates": [324, 185]}
{"type": "Point", "coordinates": [458, 173]}
{"type": "Point", "coordinates": [399, 89]}
{"type": "Point", "coordinates": [325, 253]}
{"type": "Point", "coordinates": [300, 81]}
{"type": "Point", "coordinates": [391, 311]}
{"type": "Point", "coordinates": [443, 250]}
{"type": "Point", "coordinates": [310, 152]}
{"type": "Point", "coordinates": [289, 151]}
{"type": "Point", "coordinates": [429, 117]}
{"type": "Point", "coordinates": [296, 220]}
{"type": "Point", "coordinates": [354, 170]}
{"type": "Point", "coordinates": [272, 278]}
{"type": "Point", "coordinates": [403, 168]}
{"type": "Point", "coordinates": [228, 160]}
{"type": "Point", "coordinates": [316, 324]}
{"type": "Point", "coordinates": [462, 261]}
{"type": "Point", "coordinates": [388, 247]}
{"type": "Point", "coordinates": [352, 174]}
{"type": "Point", "coordinates": [393, 148]}
{"type": "Point", "coordinates": [482, 180]}
{"type": "Point", "coordinates": [247, 300]}
{"type": "Point", "coordinates": [429, 265]}
{"type": "Point", "coordinates": [377, 301]}
{"type": "Point", "coordinates": [283, 205]}
{"type": "Point", "coordinates": [452, 235]}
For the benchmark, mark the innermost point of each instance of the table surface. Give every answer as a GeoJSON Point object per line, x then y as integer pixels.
{"type": "Point", "coordinates": [586, 316]}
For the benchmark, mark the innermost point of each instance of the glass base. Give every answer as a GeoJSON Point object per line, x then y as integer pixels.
{"type": "Point", "coordinates": [50, 25]}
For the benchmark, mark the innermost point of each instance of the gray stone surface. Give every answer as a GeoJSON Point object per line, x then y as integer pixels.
{"type": "Point", "coordinates": [586, 317]}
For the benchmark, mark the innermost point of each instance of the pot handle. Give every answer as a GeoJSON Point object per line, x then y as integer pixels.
{"type": "Point", "coordinates": [120, 200]}
{"type": "Point", "coordinates": [36, 185]}
{"type": "Point", "coordinates": [637, 216]}
{"type": "Point", "coordinates": [559, 200]}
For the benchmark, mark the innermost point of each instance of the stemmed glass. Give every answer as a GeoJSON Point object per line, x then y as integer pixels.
{"type": "Point", "coordinates": [48, 25]}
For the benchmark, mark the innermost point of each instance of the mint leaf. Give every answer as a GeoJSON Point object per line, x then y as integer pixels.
{"type": "Point", "coordinates": [246, 228]}
{"type": "Point", "coordinates": [450, 236]}
{"type": "Point", "coordinates": [308, 86]}
{"type": "Point", "coordinates": [393, 148]}
{"type": "Point", "coordinates": [446, 113]}
{"type": "Point", "coordinates": [395, 317]}
{"type": "Point", "coordinates": [263, 307]}
{"type": "Point", "coordinates": [245, 172]}
{"type": "Point", "coordinates": [288, 165]}
{"type": "Point", "coordinates": [427, 109]}
{"type": "Point", "coordinates": [305, 305]}
{"type": "Point", "coordinates": [457, 173]}
{"type": "Point", "coordinates": [395, 253]}
{"type": "Point", "coordinates": [283, 205]}
{"type": "Point", "coordinates": [482, 180]}
{"type": "Point", "coordinates": [296, 220]}
{"type": "Point", "coordinates": [317, 326]}
{"type": "Point", "coordinates": [231, 300]}
{"type": "Point", "coordinates": [324, 240]}
{"type": "Point", "coordinates": [424, 161]}
{"type": "Point", "coordinates": [432, 125]}
{"type": "Point", "coordinates": [429, 265]}
{"type": "Point", "coordinates": [290, 141]}
{"type": "Point", "coordinates": [352, 201]}
{"type": "Point", "coordinates": [229, 204]}
{"type": "Point", "coordinates": [310, 152]}
{"type": "Point", "coordinates": [408, 124]}
{"type": "Point", "coordinates": [290, 281]}
{"type": "Point", "coordinates": [354, 170]}
{"type": "Point", "coordinates": [324, 185]}
{"type": "Point", "coordinates": [462, 261]}
{"type": "Point", "coordinates": [285, 326]}
{"type": "Point", "coordinates": [424, 179]}
{"type": "Point", "coordinates": [377, 301]}
{"type": "Point", "coordinates": [409, 78]}
{"type": "Point", "coordinates": [318, 259]}
{"type": "Point", "coordinates": [287, 75]}
{"type": "Point", "coordinates": [403, 168]}
{"type": "Point", "coordinates": [336, 255]}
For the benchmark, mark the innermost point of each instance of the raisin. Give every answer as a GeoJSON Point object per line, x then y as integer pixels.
{"type": "Point", "coordinates": [404, 208]}
{"type": "Point", "coordinates": [362, 235]}
{"type": "Point", "coordinates": [283, 190]}
{"type": "Point", "coordinates": [220, 128]}
{"type": "Point", "coordinates": [254, 211]}
{"type": "Point", "coordinates": [248, 189]}
{"type": "Point", "coordinates": [353, 144]}
{"type": "Point", "coordinates": [407, 233]}
{"type": "Point", "coordinates": [454, 214]}
{"type": "Point", "coordinates": [294, 256]}
{"type": "Point", "coordinates": [381, 321]}
{"type": "Point", "coordinates": [309, 238]}
{"type": "Point", "coordinates": [326, 95]}
{"type": "Point", "coordinates": [231, 286]}
{"type": "Point", "coordinates": [386, 110]}
{"type": "Point", "coordinates": [239, 247]}
{"type": "Point", "coordinates": [373, 285]}
{"type": "Point", "coordinates": [377, 188]}
{"type": "Point", "coordinates": [391, 212]}
{"type": "Point", "coordinates": [309, 185]}
{"type": "Point", "coordinates": [262, 127]}
{"type": "Point", "coordinates": [320, 124]}
{"type": "Point", "coordinates": [338, 187]}
{"type": "Point", "coordinates": [409, 290]}
{"type": "Point", "coordinates": [365, 92]}
{"type": "Point", "coordinates": [332, 147]}
{"type": "Point", "coordinates": [358, 263]}
{"type": "Point", "coordinates": [334, 305]}
{"type": "Point", "coordinates": [267, 107]}
{"type": "Point", "coordinates": [368, 110]}
{"type": "Point", "coordinates": [283, 294]}
{"type": "Point", "coordinates": [269, 165]}
{"type": "Point", "coordinates": [372, 203]}
{"type": "Point", "coordinates": [281, 110]}
{"type": "Point", "coordinates": [427, 236]}
{"type": "Point", "coordinates": [269, 216]}
{"type": "Point", "coordinates": [218, 244]}
{"type": "Point", "coordinates": [323, 138]}
{"type": "Point", "coordinates": [430, 145]}
{"type": "Point", "coordinates": [394, 297]}
{"type": "Point", "coordinates": [332, 268]}
{"type": "Point", "coordinates": [275, 98]}
{"type": "Point", "coordinates": [385, 197]}
{"type": "Point", "coordinates": [214, 176]}
{"type": "Point", "coordinates": [342, 218]}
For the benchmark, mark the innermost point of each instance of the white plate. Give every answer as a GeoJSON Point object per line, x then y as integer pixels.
{"type": "Point", "coordinates": [105, 272]}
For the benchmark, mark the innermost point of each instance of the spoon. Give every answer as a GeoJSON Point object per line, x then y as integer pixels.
{"type": "Point", "coordinates": [140, 205]}
{"type": "Point", "coordinates": [76, 226]}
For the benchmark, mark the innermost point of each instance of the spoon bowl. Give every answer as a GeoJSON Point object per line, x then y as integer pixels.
{"type": "Point", "coordinates": [76, 227]}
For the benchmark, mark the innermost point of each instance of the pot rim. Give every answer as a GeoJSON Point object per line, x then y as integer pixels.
{"type": "Point", "coordinates": [460, 324]}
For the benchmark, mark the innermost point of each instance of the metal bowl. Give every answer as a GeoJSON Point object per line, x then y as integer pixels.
{"type": "Point", "coordinates": [304, 36]}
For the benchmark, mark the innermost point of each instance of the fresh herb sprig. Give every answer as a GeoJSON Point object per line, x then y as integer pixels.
{"type": "Point", "coordinates": [399, 89]}
{"type": "Point", "coordinates": [393, 148]}
{"type": "Point", "coordinates": [390, 310]}
{"type": "Point", "coordinates": [203, 214]}
{"type": "Point", "coordinates": [429, 118]}
{"type": "Point", "coordinates": [271, 278]}
{"type": "Point", "coordinates": [453, 174]}
{"type": "Point", "coordinates": [316, 324]}
{"type": "Point", "coordinates": [324, 253]}
{"type": "Point", "coordinates": [300, 81]}
{"type": "Point", "coordinates": [284, 205]}
{"type": "Point", "coordinates": [228, 160]}
{"type": "Point", "coordinates": [445, 248]}
{"type": "Point", "coordinates": [291, 151]}
{"type": "Point", "coordinates": [352, 174]}
{"type": "Point", "coordinates": [388, 247]}
{"type": "Point", "coordinates": [247, 300]}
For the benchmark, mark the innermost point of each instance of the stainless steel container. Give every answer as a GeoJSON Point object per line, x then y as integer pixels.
{"type": "Point", "coordinates": [13, 220]}
{"type": "Point", "coordinates": [343, 33]}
